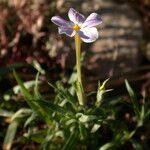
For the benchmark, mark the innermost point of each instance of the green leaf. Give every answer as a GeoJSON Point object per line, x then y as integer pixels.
{"type": "Point", "coordinates": [36, 88]}
{"type": "Point", "coordinates": [16, 89]}
{"type": "Point", "coordinates": [50, 107]}
{"type": "Point", "coordinates": [87, 118]}
{"type": "Point", "coordinates": [38, 67]}
{"type": "Point", "coordinates": [107, 146]}
{"type": "Point", "coordinates": [147, 115]}
{"type": "Point", "coordinates": [133, 99]}
{"type": "Point", "coordinates": [38, 136]}
{"type": "Point", "coordinates": [22, 86]}
{"type": "Point", "coordinates": [30, 119]}
{"type": "Point", "coordinates": [142, 116]}
{"type": "Point", "coordinates": [65, 94]}
{"type": "Point", "coordinates": [10, 135]}
{"type": "Point", "coordinates": [82, 131]}
{"type": "Point", "coordinates": [30, 99]}
{"type": "Point", "coordinates": [21, 113]}
{"type": "Point", "coordinates": [27, 85]}
{"type": "Point", "coordinates": [100, 92]}
{"type": "Point", "coordinates": [71, 141]}
{"type": "Point", "coordinates": [79, 92]}
{"type": "Point", "coordinates": [26, 93]}
{"type": "Point", "coordinates": [95, 128]}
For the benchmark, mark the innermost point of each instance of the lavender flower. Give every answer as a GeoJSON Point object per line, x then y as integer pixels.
{"type": "Point", "coordinates": [78, 24]}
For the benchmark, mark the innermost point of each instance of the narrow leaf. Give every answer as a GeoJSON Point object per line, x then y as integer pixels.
{"type": "Point", "coordinates": [71, 141]}
{"type": "Point", "coordinates": [65, 94]}
{"type": "Point", "coordinates": [133, 99]}
{"type": "Point", "coordinates": [23, 88]}
{"type": "Point", "coordinates": [30, 119]}
{"type": "Point", "coordinates": [29, 97]}
{"type": "Point", "coordinates": [21, 113]}
{"type": "Point", "coordinates": [36, 87]}
{"type": "Point", "coordinates": [38, 136]}
{"type": "Point", "coordinates": [46, 105]}
{"type": "Point", "coordinates": [107, 146]}
{"type": "Point", "coordinates": [10, 135]}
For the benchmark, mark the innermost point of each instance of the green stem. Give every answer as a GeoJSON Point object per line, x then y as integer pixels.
{"type": "Point", "coordinates": [78, 55]}
{"type": "Point", "coordinates": [78, 66]}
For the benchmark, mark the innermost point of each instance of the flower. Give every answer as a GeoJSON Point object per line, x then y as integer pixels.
{"type": "Point", "coordinates": [78, 24]}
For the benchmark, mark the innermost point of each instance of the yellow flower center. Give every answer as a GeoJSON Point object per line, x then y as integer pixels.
{"type": "Point", "coordinates": [76, 27]}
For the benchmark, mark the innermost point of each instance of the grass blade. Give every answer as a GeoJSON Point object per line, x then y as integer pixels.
{"type": "Point", "coordinates": [29, 97]}
{"type": "Point", "coordinates": [133, 99]}
{"type": "Point", "coordinates": [46, 105]}
{"type": "Point", "coordinates": [23, 88]}
{"type": "Point", "coordinates": [10, 135]}
{"type": "Point", "coordinates": [71, 141]}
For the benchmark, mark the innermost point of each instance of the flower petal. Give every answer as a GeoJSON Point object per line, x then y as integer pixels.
{"type": "Point", "coordinates": [65, 30]}
{"type": "Point", "coordinates": [92, 20]}
{"type": "Point", "coordinates": [60, 21]}
{"type": "Point", "coordinates": [88, 35]}
{"type": "Point", "coordinates": [75, 16]}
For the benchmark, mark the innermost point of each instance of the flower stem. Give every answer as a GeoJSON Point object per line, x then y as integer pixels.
{"type": "Point", "coordinates": [79, 87]}
{"type": "Point", "coordinates": [78, 56]}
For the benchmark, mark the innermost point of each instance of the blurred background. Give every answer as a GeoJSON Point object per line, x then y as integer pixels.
{"type": "Point", "coordinates": [28, 39]}
{"type": "Point", "coordinates": [122, 50]}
